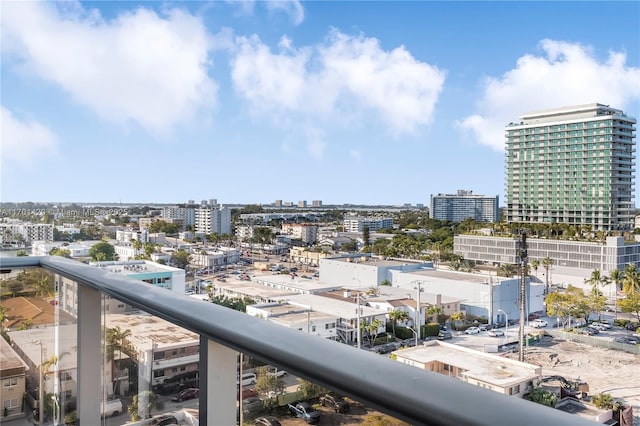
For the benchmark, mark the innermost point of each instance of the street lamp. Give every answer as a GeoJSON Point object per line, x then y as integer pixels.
{"type": "Point", "coordinates": [506, 323]}
{"type": "Point", "coordinates": [56, 409]}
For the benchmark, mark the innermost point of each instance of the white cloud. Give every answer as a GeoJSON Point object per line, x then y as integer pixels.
{"type": "Point", "coordinates": [340, 79]}
{"type": "Point", "coordinates": [565, 74]}
{"type": "Point", "coordinates": [292, 7]}
{"type": "Point", "coordinates": [139, 67]}
{"type": "Point", "coordinates": [23, 141]}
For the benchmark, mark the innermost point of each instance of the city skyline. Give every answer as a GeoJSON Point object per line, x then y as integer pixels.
{"type": "Point", "coordinates": [368, 103]}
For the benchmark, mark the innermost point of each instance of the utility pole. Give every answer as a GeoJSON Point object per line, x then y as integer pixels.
{"type": "Point", "coordinates": [523, 292]}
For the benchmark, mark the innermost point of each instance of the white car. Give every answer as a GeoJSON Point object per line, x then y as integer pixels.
{"type": "Point", "coordinates": [472, 330]}
{"type": "Point", "coordinates": [601, 324]}
{"type": "Point", "coordinates": [496, 333]}
{"type": "Point", "coordinates": [539, 323]}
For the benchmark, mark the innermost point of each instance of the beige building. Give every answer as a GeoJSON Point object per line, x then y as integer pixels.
{"type": "Point", "coordinates": [502, 375]}
{"type": "Point", "coordinates": [306, 257]}
{"type": "Point", "coordinates": [307, 232]}
{"type": "Point", "coordinates": [13, 375]}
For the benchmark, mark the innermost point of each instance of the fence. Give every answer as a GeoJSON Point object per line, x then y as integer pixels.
{"type": "Point", "coordinates": [594, 341]}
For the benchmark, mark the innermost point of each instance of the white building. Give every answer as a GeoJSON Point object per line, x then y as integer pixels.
{"type": "Point", "coordinates": [297, 317]}
{"type": "Point", "coordinates": [25, 232]}
{"type": "Point", "coordinates": [353, 223]}
{"type": "Point", "coordinates": [307, 232]}
{"type": "Point", "coordinates": [210, 258]}
{"type": "Point", "coordinates": [502, 375]}
{"type": "Point", "coordinates": [213, 218]}
{"type": "Point", "coordinates": [130, 235]}
{"type": "Point", "coordinates": [480, 295]}
{"type": "Point", "coordinates": [77, 249]}
{"type": "Point", "coordinates": [184, 212]}
{"type": "Point", "coordinates": [464, 205]}
{"type": "Point", "coordinates": [172, 279]}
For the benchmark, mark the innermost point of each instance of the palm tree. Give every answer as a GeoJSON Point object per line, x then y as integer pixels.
{"type": "Point", "coordinates": [535, 264]}
{"type": "Point", "coordinates": [435, 310]}
{"type": "Point", "coordinates": [506, 270]}
{"type": "Point", "coordinates": [597, 280]}
{"type": "Point", "coordinates": [116, 340]}
{"type": "Point", "coordinates": [44, 287]}
{"type": "Point", "coordinates": [616, 277]}
{"type": "Point", "coordinates": [631, 280]}
{"type": "Point", "coordinates": [395, 316]}
{"type": "Point", "coordinates": [546, 263]}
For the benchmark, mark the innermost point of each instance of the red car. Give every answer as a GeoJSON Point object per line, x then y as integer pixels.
{"type": "Point", "coordinates": [190, 393]}
{"type": "Point", "coordinates": [248, 393]}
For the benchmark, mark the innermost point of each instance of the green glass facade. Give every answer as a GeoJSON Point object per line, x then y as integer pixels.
{"type": "Point", "coordinates": [572, 165]}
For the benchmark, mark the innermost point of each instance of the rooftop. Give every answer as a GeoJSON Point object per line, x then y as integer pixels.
{"type": "Point", "coordinates": [147, 330]}
{"type": "Point", "coordinates": [480, 366]}
{"type": "Point", "coordinates": [9, 360]}
{"type": "Point", "coordinates": [131, 267]}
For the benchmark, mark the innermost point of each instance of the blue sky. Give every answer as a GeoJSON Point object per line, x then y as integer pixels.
{"type": "Point", "coordinates": [249, 102]}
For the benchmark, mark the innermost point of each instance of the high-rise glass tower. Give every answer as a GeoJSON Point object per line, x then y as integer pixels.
{"type": "Point", "coordinates": [572, 165]}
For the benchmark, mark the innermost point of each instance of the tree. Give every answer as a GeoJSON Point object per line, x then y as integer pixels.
{"type": "Point", "coordinates": [116, 341]}
{"type": "Point", "coordinates": [567, 304]}
{"type": "Point", "coordinates": [144, 401]}
{"type": "Point", "coordinates": [535, 264]}
{"type": "Point", "coordinates": [44, 287]}
{"type": "Point", "coordinates": [102, 251]}
{"type": "Point", "coordinates": [547, 262]}
{"type": "Point", "coordinates": [434, 310]}
{"type": "Point", "coordinates": [371, 329]}
{"type": "Point", "coordinates": [631, 279]}
{"type": "Point", "coordinates": [597, 279]}
{"type": "Point", "coordinates": [57, 251]}
{"type": "Point", "coordinates": [397, 316]}
{"type": "Point", "coordinates": [631, 304]}
{"type": "Point", "coordinates": [597, 301]}
{"type": "Point", "coordinates": [541, 396]}
{"type": "Point", "coordinates": [616, 277]}
{"type": "Point", "coordinates": [181, 258]}
{"type": "Point", "coordinates": [20, 253]}
{"type": "Point", "coordinates": [267, 383]}
{"type": "Point", "coordinates": [310, 390]}
{"type": "Point", "coordinates": [506, 270]}
{"type": "Point", "coordinates": [366, 236]}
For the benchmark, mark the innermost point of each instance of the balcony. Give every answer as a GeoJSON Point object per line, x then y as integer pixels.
{"type": "Point", "coordinates": [415, 396]}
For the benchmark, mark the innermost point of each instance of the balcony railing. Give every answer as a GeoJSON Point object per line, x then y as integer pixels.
{"type": "Point", "coordinates": [407, 393]}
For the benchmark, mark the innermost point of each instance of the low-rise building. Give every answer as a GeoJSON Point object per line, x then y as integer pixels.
{"type": "Point", "coordinates": [13, 372]}
{"type": "Point", "coordinates": [502, 375]}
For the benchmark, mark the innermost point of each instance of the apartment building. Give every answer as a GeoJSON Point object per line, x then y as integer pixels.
{"type": "Point", "coordinates": [213, 218]}
{"type": "Point", "coordinates": [25, 232]}
{"type": "Point", "coordinates": [571, 165]}
{"type": "Point", "coordinates": [185, 212]}
{"type": "Point", "coordinates": [306, 232]}
{"type": "Point", "coordinates": [464, 205]}
{"type": "Point", "coordinates": [353, 223]}
{"type": "Point", "coordinates": [128, 235]}
{"type": "Point", "coordinates": [13, 372]}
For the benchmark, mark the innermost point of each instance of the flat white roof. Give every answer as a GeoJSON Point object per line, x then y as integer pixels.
{"type": "Point", "coordinates": [294, 283]}
{"type": "Point", "coordinates": [29, 343]}
{"type": "Point", "coordinates": [147, 330]}
{"type": "Point", "coordinates": [128, 267]}
{"type": "Point", "coordinates": [250, 289]}
{"type": "Point", "coordinates": [480, 366]}
{"type": "Point", "coordinates": [338, 308]}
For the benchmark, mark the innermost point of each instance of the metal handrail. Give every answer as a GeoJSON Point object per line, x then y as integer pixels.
{"type": "Point", "coordinates": [405, 392]}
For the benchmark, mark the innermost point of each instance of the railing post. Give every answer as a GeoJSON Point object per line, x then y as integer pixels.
{"type": "Point", "coordinates": [218, 389]}
{"type": "Point", "coordinates": [89, 356]}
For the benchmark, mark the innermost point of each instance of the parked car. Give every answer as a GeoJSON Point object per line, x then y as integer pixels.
{"type": "Point", "coordinates": [248, 393]}
{"type": "Point", "coordinates": [252, 405]}
{"type": "Point", "coordinates": [472, 330]}
{"type": "Point", "coordinates": [538, 323]}
{"type": "Point", "coordinates": [594, 330]}
{"type": "Point", "coordinates": [633, 326]}
{"type": "Point", "coordinates": [587, 331]}
{"type": "Point", "coordinates": [267, 421]}
{"type": "Point", "coordinates": [113, 407]}
{"type": "Point", "coordinates": [444, 335]}
{"type": "Point", "coordinates": [248, 379]}
{"type": "Point", "coordinates": [598, 326]}
{"type": "Point", "coordinates": [163, 421]}
{"type": "Point", "coordinates": [627, 340]}
{"type": "Point", "coordinates": [602, 324]}
{"type": "Point", "coordinates": [189, 393]}
{"type": "Point", "coordinates": [305, 411]}
{"type": "Point", "coordinates": [486, 327]}
{"type": "Point", "coordinates": [274, 372]}
{"type": "Point", "coordinates": [338, 404]}
{"type": "Point", "coordinates": [496, 333]}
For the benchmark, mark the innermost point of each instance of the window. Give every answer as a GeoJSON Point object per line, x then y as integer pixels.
{"type": "Point", "coordinates": [65, 376]}
{"type": "Point", "coordinates": [313, 328]}
{"type": "Point", "coordinates": [10, 403]}
{"type": "Point", "coordinates": [13, 381]}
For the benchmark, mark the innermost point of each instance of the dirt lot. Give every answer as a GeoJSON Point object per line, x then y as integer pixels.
{"type": "Point", "coordinates": [604, 370]}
